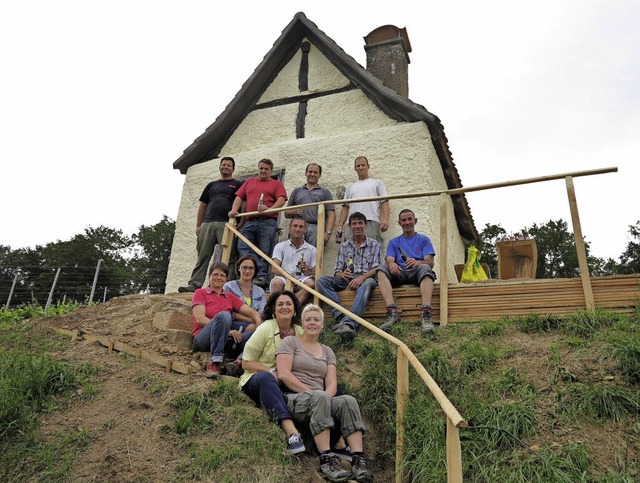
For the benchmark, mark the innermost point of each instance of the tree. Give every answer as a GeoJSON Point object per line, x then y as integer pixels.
{"type": "Point", "coordinates": [78, 259]}
{"type": "Point", "coordinates": [153, 249]}
{"type": "Point", "coordinates": [557, 256]}
{"type": "Point", "coordinates": [630, 258]}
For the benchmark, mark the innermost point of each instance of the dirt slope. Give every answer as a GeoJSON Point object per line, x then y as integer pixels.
{"type": "Point", "coordinates": [129, 426]}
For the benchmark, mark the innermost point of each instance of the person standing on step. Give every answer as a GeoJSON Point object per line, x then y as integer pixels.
{"type": "Point", "coordinates": [312, 192]}
{"type": "Point", "coordinates": [377, 212]}
{"type": "Point", "coordinates": [409, 260]}
{"type": "Point", "coordinates": [215, 202]}
{"type": "Point", "coordinates": [260, 194]}
{"type": "Point", "coordinates": [355, 269]}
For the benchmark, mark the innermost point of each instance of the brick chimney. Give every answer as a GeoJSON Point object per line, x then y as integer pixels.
{"type": "Point", "coordinates": [387, 49]}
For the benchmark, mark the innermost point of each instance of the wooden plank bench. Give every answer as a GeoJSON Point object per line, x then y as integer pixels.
{"type": "Point", "coordinates": [493, 299]}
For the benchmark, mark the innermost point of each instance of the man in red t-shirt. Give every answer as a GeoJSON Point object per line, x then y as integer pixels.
{"type": "Point", "coordinates": [260, 194]}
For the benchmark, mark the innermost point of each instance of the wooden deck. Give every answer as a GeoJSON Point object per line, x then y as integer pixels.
{"type": "Point", "coordinates": [493, 298]}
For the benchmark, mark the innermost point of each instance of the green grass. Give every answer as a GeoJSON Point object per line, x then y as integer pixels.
{"type": "Point", "coordinates": [598, 401]}
{"type": "Point", "coordinates": [29, 459]}
{"type": "Point", "coordinates": [477, 357]}
{"type": "Point", "coordinates": [536, 323]}
{"type": "Point", "coordinates": [31, 384]}
{"type": "Point", "coordinates": [502, 403]}
{"type": "Point", "coordinates": [492, 328]}
{"type": "Point", "coordinates": [626, 351]}
{"type": "Point", "coordinates": [247, 444]}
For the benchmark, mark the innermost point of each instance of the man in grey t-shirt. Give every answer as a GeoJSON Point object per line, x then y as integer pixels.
{"type": "Point", "coordinates": [312, 192]}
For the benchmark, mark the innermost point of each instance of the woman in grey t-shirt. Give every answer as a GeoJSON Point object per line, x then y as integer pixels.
{"type": "Point", "coordinates": [308, 369]}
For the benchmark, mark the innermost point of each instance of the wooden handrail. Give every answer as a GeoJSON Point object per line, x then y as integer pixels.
{"type": "Point", "coordinates": [454, 191]}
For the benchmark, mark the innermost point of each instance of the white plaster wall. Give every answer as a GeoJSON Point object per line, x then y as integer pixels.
{"type": "Point", "coordinates": [323, 76]}
{"type": "Point", "coordinates": [264, 127]}
{"type": "Point", "coordinates": [338, 128]}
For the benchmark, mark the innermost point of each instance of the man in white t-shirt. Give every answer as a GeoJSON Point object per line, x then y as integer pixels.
{"type": "Point", "coordinates": [377, 212]}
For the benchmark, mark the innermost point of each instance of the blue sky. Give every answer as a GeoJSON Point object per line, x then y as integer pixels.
{"type": "Point", "coordinates": [99, 98]}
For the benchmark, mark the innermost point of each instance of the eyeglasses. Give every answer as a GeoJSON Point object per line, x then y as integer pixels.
{"type": "Point", "coordinates": [250, 269]}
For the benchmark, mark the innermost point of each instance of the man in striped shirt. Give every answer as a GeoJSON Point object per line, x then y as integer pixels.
{"type": "Point", "coordinates": [355, 269]}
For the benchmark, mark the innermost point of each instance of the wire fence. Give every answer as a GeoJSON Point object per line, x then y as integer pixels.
{"type": "Point", "coordinates": [75, 283]}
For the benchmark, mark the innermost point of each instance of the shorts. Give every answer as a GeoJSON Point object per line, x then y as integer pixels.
{"type": "Point", "coordinates": [408, 275]}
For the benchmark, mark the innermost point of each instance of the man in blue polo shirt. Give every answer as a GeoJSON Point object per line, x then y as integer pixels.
{"type": "Point", "coordinates": [409, 260]}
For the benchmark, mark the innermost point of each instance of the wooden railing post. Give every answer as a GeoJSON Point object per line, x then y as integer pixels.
{"type": "Point", "coordinates": [227, 242]}
{"type": "Point", "coordinates": [444, 260]}
{"type": "Point", "coordinates": [402, 393]}
{"type": "Point", "coordinates": [320, 228]}
{"type": "Point", "coordinates": [454, 453]}
{"type": "Point", "coordinates": [580, 248]}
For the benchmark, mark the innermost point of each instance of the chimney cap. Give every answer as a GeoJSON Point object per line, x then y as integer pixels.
{"type": "Point", "coordinates": [386, 33]}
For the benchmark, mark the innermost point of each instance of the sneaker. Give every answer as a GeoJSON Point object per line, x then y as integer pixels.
{"type": "Point", "coordinates": [345, 331]}
{"type": "Point", "coordinates": [234, 368]}
{"type": "Point", "coordinates": [188, 288]}
{"type": "Point", "coordinates": [213, 370]}
{"type": "Point", "coordinates": [359, 469]}
{"type": "Point", "coordinates": [392, 318]}
{"type": "Point", "coordinates": [426, 326]}
{"type": "Point", "coordinates": [331, 469]}
{"type": "Point", "coordinates": [295, 444]}
{"type": "Point", "coordinates": [343, 453]}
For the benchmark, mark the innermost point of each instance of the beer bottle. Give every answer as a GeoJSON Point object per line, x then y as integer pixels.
{"type": "Point", "coordinates": [261, 200]}
{"type": "Point", "coordinates": [339, 234]}
{"type": "Point", "coordinates": [403, 255]}
{"type": "Point", "coordinates": [350, 265]}
{"type": "Point", "coordinates": [299, 264]}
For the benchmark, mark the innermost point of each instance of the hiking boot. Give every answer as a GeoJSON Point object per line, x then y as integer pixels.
{"type": "Point", "coordinates": [345, 331]}
{"type": "Point", "coordinates": [426, 326]}
{"type": "Point", "coordinates": [331, 469]}
{"type": "Point", "coordinates": [359, 469]}
{"type": "Point", "coordinates": [261, 282]}
{"type": "Point", "coordinates": [295, 444]}
{"type": "Point", "coordinates": [213, 370]}
{"type": "Point", "coordinates": [343, 453]}
{"type": "Point", "coordinates": [234, 368]}
{"type": "Point", "coordinates": [187, 288]}
{"type": "Point", "coordinates": [392, 318]}
{"type": "Point", "coordinates": [337, 326]}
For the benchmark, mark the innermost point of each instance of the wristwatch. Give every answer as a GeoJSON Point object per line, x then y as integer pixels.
{"type": "Point", "coordinates": [328, 232]}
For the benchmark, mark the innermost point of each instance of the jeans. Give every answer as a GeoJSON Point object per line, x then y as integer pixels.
{"type": "Point", "coordinates": [214, 336]}
{"type": "Point", "coordinates": [264, 390]}
{"type": "Point", "coordinates": [328, 286]}
{"type": "Point", "coordinates": [261, 232]}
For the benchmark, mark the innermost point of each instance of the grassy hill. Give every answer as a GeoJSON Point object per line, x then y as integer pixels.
{"type": "Point", "coordinates": [547, 399]}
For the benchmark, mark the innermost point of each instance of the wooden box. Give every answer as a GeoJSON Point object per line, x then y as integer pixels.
{"type": "Point", "coordinates": [517, 259]}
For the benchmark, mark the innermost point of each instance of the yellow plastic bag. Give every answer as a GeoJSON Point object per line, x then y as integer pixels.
{"type": "Point", "coordinates": [473, 271]}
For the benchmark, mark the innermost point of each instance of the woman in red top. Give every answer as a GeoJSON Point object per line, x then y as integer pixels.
{"type": "Point", "coordinates": [213, 324]}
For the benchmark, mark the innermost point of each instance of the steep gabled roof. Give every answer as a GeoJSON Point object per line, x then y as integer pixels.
{"type": "Point", "coordinates": [208, 145]}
